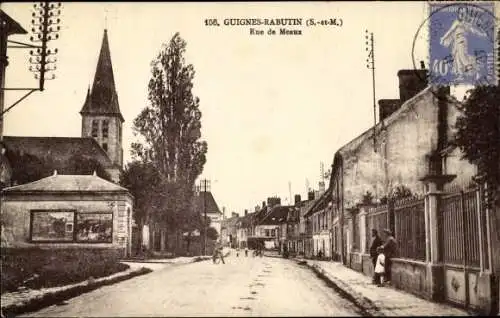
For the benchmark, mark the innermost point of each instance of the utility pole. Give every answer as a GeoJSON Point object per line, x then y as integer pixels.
{"type": "Point", "coordinates": [205, 185]}
{"type": "Point", "coordinates": [370, 64]}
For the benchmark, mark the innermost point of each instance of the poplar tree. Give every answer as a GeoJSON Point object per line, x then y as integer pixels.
{"type": "Point", "coordinates": [170, 126]}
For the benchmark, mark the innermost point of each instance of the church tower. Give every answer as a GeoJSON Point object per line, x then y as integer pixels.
{"type": "Point", "coordinates": [101, 116]}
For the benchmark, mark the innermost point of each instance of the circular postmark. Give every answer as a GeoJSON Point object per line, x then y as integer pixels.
{"type": "Point", "coordinates": [458, 42]}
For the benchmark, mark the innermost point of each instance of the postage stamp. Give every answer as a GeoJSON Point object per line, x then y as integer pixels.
{"type": "Point", "coordinates": [462, 43]}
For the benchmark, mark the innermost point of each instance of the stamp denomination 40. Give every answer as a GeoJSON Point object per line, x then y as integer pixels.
{"type": "Point", "coordinates": [462, 43]}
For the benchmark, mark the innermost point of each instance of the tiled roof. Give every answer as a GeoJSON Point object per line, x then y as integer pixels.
{"type": "Point", "coordinates": [276, 216]}
{"type": "Point", "coordinates": [199, 203]}
{"type": "Point", "coordinates": [320, 203]}
{"type": "Point", "coordinates": [57, 149]}
{"type": "Point", "coordinates": [103, 99]}
{"type": "Point", "coordinates": [68, 183]}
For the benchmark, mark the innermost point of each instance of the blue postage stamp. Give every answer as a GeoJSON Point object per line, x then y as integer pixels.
{"type": "Point", "coordinates": [462, 43]}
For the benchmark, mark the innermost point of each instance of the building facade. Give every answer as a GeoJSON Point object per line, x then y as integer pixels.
{"type": "Point", "coordinates": [64, 211]}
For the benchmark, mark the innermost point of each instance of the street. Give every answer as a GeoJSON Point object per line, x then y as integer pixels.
{"type": "Point", "coordinates": [244, 286]}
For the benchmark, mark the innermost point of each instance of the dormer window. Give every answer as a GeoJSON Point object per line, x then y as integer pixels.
{"type": "Point", "coordinates": [95, 128]}
{"type": "Point", "coordinates": [105, 128]}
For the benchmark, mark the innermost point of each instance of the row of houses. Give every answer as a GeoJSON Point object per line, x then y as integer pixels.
{"type": "Point", "coordinates": [406, 175]}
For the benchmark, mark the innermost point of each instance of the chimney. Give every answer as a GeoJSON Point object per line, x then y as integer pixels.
{"type": "Point", "coordinates": [246, 212]}
{"type": "Point", "coordinates": [386, 107]}
{"type": "Point", "coordinates": [263, 204]}
{"type": "Point", "coordinates": [273, 201]}
{"type": "Point", "coordinates": [411, 82]}
{"type": "Point", "coordinates": [310, 195]}
{"type": "Point", "coordinates": [297, 199]}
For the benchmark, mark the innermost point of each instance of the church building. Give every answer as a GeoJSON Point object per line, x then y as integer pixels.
{"type": "Point", "coordinates": [26, 159]}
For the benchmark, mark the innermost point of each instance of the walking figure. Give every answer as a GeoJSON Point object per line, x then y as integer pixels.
{"type": "Point", "coordinates": [376, 242]}
{"type": "Point", "coordinates": [218, 255]}
{"type": "Point", "coordinates": [380, 267]}
{"type": "Point", "coordinates": [246, 251]}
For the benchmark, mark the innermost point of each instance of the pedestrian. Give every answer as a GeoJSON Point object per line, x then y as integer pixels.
{"type": "Point", "coordinates": [246, 251]}
{"type": "Point", "coordinates": [221, 254]}
{"type": "Point", "coordinates": [390, 247]}
{"type": "Point", "coordinates": [237, 252]}
{"type": "Point", "coordinates": [376, 242]}
{"type": "Point", "coordinates": [380, 267]}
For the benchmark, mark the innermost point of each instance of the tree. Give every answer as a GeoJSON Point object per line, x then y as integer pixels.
{"type": "Point", "coordinates": [146, 185]}
{"type": "Point", "coordinates": [170, 127]}
{"type": "Point", "coordinates": [212, 234]}
{"type": "Point", "coordinates": [478, 137]}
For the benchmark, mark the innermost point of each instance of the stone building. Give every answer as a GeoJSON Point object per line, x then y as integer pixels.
{"type": "Point", "coordinates": [443, 231]}
{"type": "Point", "coordinates": [67, 211]}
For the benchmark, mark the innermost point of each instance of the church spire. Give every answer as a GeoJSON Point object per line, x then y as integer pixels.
{"type": "Point", "coordinates": [103, 98]}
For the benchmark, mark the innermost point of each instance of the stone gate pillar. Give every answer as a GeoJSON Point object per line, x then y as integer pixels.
{"type": "Point", "coordinates": [435, 270]}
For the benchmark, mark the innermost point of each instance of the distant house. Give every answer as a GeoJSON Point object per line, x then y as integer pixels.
{"type": "Point", "coordinates": [268, 229]}
{"type": "Point", "coordinates": [229, 230]}
{"type": "Point", "coordinates": [244, 229]}
{"type": "Point", "coordinates": [67, 211]}
{"type": "Point", "coordinates": [320, 218]}
{"type": "Point", "coordinates": [291, 228]}
{"type": "Point", "coordinates": [206, 199]}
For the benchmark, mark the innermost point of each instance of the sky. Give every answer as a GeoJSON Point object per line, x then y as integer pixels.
{"type": "Point", "coordinates": [274, 106]}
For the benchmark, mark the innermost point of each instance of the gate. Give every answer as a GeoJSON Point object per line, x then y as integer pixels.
{"type": "Point", "coordinates": [459, 213]}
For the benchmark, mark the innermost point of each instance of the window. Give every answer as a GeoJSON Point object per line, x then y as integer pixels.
{"type": "Point", "coordinates": [94, 227]}
{"type": "Point", "coordinates": [105, 147]}
{"type": "Point", "coordinates": [105, 128]}
{"type": "Point", "coordinates": [267, 233]}
{"type": "Point", "coordinates": [95, 128]}
{"type": "Point", "coordinates": [56, 226]}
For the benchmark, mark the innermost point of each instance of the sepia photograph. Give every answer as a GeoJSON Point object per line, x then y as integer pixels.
{"type": "Point", "coordinates": [250, 159]}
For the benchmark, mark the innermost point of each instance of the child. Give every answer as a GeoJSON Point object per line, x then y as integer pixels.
{"type": "Point", "coordinates": [380, 266]}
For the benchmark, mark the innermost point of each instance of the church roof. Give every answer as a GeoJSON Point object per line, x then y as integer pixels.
{"type": "Point", "coordinates": [199, 203]}
{"type": "Point", "coordinates": [103, 99]}
{"type": "Point", "coordinates": [57, 149]}
{"type": "Point", "coordinates": [68, 183]}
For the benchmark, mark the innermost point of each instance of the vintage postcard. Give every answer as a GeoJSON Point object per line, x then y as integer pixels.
{"type": "Point", "coordinates": [249, 159]}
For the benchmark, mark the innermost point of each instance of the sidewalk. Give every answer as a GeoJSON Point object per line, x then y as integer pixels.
{"type": "Point", "coordinates": [378, 301]}
{"type": "Point", "coordinates": [27, 300]}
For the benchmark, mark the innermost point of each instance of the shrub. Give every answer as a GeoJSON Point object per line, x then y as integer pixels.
{"type": "Point", "coordinates": [36, 268]}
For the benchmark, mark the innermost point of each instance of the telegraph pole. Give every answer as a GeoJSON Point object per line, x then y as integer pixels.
{"type": "Point", "coordinates": [205, 184]}
{"type": "Point", "coordinates": [370, 64]}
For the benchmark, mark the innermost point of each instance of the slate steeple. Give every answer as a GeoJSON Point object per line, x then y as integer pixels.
{"type": "Point", "coordinates": [103, 99]}
{"type": "Point", "coordinates": [101, 116]}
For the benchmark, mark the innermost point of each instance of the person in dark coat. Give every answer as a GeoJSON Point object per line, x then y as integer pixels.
{"type": "Point", "coordinates": [376, 242]}
{"type": "Point", "coordinates": [390, 247]}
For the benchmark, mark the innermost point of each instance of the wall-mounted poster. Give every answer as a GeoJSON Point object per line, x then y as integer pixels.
{"type": "Point", "coordinates": [52, 225]}
{"type": "Point", "coordinates": [94, 227]}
